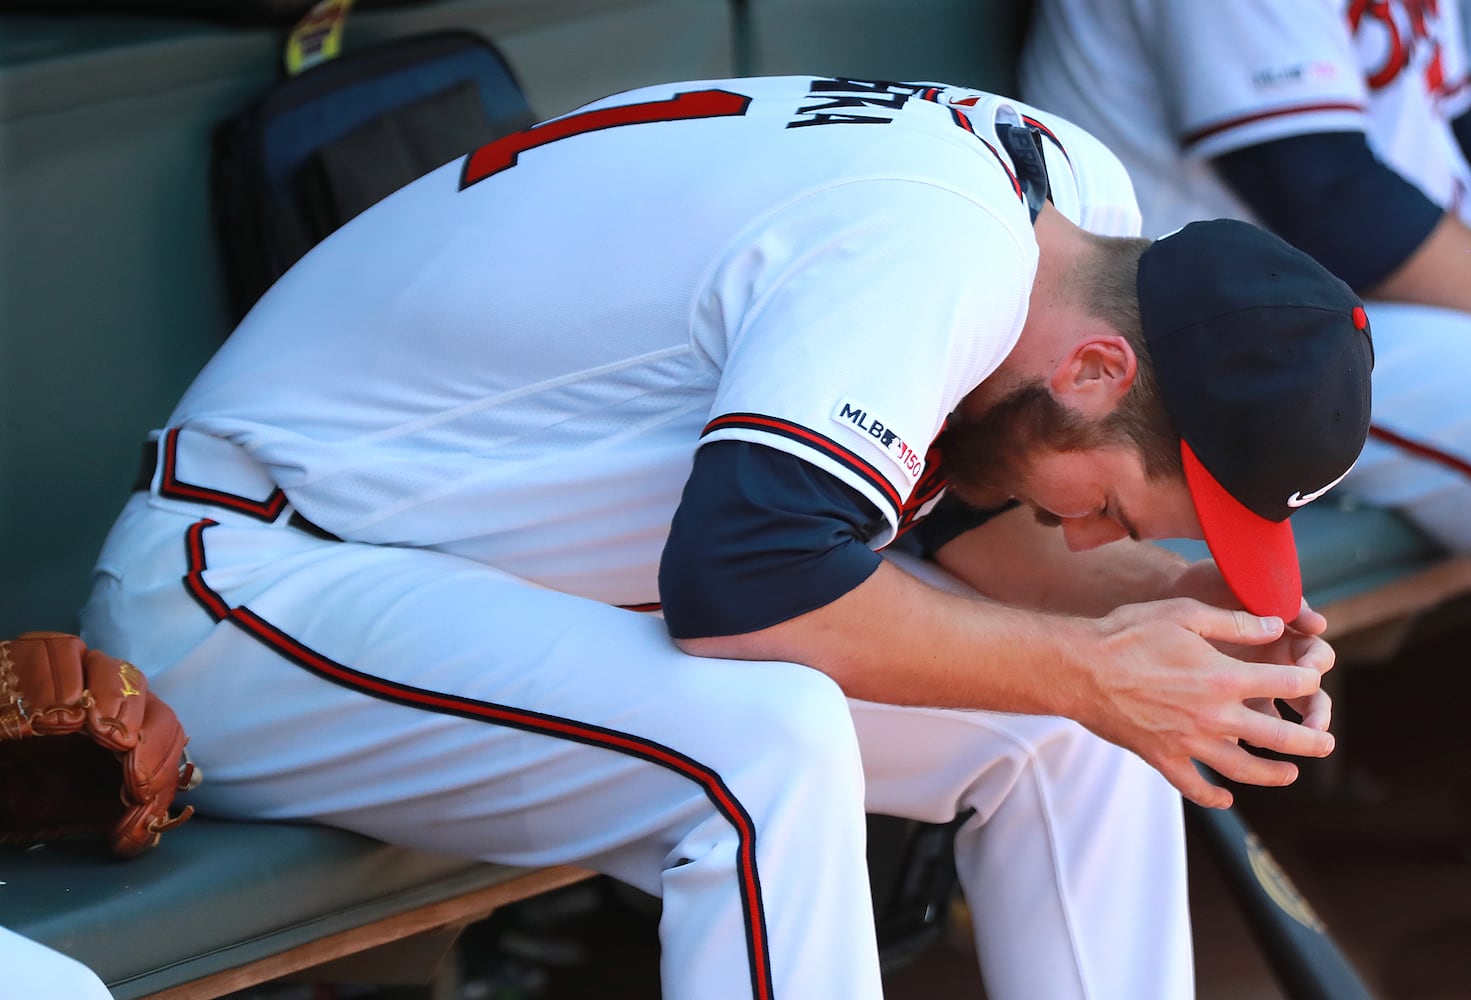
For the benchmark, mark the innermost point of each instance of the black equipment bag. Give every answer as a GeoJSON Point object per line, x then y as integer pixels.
{"type": "Point", "coordinates": [321, 146]}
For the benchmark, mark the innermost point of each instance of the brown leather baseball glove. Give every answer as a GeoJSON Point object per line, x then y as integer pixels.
{"type": "Point", "coordinates": [85, 747]}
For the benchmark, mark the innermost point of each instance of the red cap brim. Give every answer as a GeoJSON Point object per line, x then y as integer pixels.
{"type": "Point", "coordinates": [1257, 557]}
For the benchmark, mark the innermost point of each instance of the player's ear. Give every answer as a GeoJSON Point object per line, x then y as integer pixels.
{"type": "Point", "coordinates": [1095, 374]}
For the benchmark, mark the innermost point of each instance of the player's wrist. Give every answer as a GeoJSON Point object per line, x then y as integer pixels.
{"type": "Point", "coordinates": [1070, 684]}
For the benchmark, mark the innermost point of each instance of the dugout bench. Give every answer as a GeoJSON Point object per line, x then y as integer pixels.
{"type": "Point", "coordinates": [111, 297]}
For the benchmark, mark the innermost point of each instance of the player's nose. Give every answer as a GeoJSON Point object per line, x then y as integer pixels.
{"type": "Point", "coordinates": [1083, 533]}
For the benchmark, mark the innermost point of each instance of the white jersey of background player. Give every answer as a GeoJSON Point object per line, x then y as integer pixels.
{"type": "Point", "coordinates": [816, 270]}
{"type": "Point", "coordinates": [34, 970]}
{"type": "Point", "coordinates": [1276, 112]}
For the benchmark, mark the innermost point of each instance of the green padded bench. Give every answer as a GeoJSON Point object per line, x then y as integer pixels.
{"type": "Point", "coordinates": [220, 906]}
{"type": "Point", "coordinates": [1369, 571]}
{"type": "Point", "coordinates": [972, 43]}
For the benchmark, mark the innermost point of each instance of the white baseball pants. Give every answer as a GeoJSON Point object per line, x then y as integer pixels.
{"type": "Point", "coordinates": [434, 702]}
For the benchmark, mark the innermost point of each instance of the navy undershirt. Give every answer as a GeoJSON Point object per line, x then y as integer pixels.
{"type": "Point", "coordinates": [1327, 194]}
{"type": "Point", "coordinates": [761, 536]}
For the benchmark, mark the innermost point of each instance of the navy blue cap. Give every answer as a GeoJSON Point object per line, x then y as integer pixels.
{"type": "Point", "coordinates": [1263, 359]}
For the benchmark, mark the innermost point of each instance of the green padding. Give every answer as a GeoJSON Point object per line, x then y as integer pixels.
{"type": "Point", "coordinates": [112, 290]}
{"type": "Point", "coordinates": [1347, 549]}
{"type": "Point", "coordinates": [215, 895]}
{"type": "Point", "coordinates": [965, 42]}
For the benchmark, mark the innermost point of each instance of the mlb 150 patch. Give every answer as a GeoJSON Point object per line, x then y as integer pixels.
{"type": "Point", "coordinates": [859, 420]}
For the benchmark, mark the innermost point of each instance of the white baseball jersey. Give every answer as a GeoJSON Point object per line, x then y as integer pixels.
{"type": "Point", "coordinates": [1157, 78]}
{"type": "Point", "coordinates": [824, 267]}
{"type": "Point", "coordinates": [33, 969]}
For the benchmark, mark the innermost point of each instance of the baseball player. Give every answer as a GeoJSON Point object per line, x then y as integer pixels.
{"type": "Point", "coordinates": [1342, 125]}
{"type": "Point", "coordinates": [544, 513]}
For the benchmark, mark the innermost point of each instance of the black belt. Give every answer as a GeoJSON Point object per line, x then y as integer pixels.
{"type": "Point", "coordinates": [144, 482]}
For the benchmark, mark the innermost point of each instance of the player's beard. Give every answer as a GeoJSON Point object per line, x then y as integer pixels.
{"type": "Point", "coordinates": [986, 457]}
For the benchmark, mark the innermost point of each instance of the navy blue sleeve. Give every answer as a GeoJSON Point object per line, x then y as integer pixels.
{"type": "Point", "coordinates": [761, 536]}
{"type": "Point", "coordinates": [951, 518]}
{"type": "Point", "coordinates": [1462, 128]}
{"type": "Point", "coordinates": [1328, 194]}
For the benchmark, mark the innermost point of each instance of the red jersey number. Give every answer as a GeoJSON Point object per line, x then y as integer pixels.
{"type": "Point", "coordinates": [503, 153]}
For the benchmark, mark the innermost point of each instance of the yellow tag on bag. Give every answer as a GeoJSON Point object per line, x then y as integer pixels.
{"type": "Point", "coordinates": [317, 37]}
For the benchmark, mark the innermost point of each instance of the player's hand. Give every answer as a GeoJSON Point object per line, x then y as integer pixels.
{"type": "Point", "coordinates": [1165, 691]}
{"type": "Point", "coordinates": [1202, 581]}
{"type": "Point", "coordinates": [1316, 709]}
{"type": "Point", "coordinates": [1299, 643]}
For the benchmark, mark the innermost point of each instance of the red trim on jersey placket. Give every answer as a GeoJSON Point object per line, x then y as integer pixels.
{"type": "Point", "coordinates": [1034, 123]}
{"type": "Point", "coordinates": [1029, 120]}
{"type": "Point", "coordinates": [829, 447]}
{"type": "Point", "coordinates": [1296, 109]}
{"type": "Point", "coordinates": [525, 720]}
{"type": "Point", "coordinates": [960, 119]}
{"type": "Point", "coordinates": [1420, 449]}
{"type": "Point", "coordinates": [930, 486]}
{"type": "Point", "coordinates": [174, 488]}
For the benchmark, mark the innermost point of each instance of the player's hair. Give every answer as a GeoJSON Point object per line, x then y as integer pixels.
{"type": "Point", "coordinates": [1108, 289]}
{"type": "Point", "coordinates": [987, 454]}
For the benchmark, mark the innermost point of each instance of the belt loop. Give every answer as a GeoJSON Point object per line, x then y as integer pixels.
{"type": "Point", "coordinates": [268, 510]}
{"type": "Point", "coordinates": [143, 481]}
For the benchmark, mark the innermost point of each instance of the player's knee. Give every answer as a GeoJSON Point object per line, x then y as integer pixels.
{"type": "Point", "coordinates": [1073, 758]}
{"type": "Point", "coordinates": [1069, 747]}
{"type": "Point", "coordinates": [805, 722]}
{"type": "Point", "coordinates": [1050, 747]}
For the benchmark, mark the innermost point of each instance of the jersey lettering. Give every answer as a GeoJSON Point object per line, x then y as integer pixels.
{"type": "Point", "coordinates": [1409, 28]}
{"type": "Point", "coordinates": [503, 153]}
{"type": "Point", "coordinates": [841, 92]}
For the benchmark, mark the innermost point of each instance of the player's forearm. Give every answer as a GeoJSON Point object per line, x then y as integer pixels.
{"type": "Point", "coordinates": [1015, 560]}
{"type": "Point", "coordinates": [1145, 676]}
{"type": "Point", "coordinates": [895, 639]}
{"type": "Point", "coordinates": [1435, 274]}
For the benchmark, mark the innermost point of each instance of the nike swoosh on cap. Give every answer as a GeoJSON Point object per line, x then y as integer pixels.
{"type": "Point", "coordinates": [1298, 500]}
